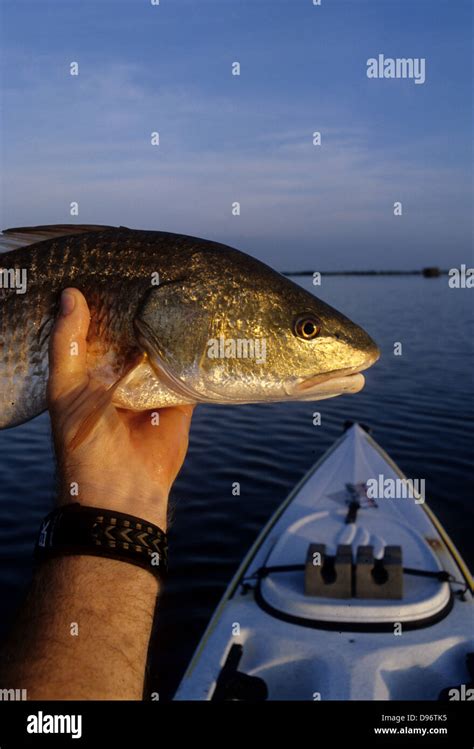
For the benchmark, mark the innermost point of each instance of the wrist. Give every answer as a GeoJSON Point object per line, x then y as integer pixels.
{"type": "Point", "coordinates": [149, 504]}
{"type": "Point", "coordinates": [75, 529]}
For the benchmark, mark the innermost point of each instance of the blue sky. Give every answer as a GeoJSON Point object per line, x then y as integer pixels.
{"type": "Point", "coordinates": [224, 138]}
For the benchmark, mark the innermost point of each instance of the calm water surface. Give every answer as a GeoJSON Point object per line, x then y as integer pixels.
{"type": "Point", "coordinates": [420, 408]}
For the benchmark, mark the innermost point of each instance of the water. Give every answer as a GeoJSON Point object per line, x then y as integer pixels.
{"type": "Point", "coordinates": [419, 405]}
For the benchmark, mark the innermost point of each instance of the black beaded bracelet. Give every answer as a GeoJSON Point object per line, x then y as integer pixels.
{"type": "Point", "coordinates": [76, 529]}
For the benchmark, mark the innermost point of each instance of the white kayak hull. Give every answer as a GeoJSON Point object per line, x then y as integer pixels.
{"type": "Point", "coordinates": [307, 647]}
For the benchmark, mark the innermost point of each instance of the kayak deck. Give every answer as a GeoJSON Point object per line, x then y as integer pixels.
{"type": "Point", "coordinates": [305, 647]}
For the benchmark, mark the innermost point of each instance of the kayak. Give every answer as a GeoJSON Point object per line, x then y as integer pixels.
{"type": "Point", "coordinates": [352, 591]}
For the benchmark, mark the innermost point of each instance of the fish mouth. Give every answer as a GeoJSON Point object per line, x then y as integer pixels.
{"type": "Point", "coordinates": [331, 385]}
{"type": "Point", "coordinates": [337, 382]}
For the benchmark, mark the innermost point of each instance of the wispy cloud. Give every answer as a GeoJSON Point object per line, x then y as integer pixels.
{"type": "Point", "coordinates": [87, 139]}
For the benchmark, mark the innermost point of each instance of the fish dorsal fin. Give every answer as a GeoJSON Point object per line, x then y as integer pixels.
{"type": "Point", "coordinates": [12, 239]}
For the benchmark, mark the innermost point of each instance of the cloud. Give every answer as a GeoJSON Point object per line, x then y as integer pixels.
{"type": "Point", "coordinates": [88, 139]}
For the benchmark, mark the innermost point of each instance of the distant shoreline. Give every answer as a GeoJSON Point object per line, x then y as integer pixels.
{"type": "Point", "coordinates": [426, 272]}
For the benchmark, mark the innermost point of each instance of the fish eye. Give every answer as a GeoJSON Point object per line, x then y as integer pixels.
{"type": "Point", "coordinates": [306, 327]}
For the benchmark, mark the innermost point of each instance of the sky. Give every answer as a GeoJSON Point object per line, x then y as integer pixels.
{"type": "Point", "coordinates": [167, 68]}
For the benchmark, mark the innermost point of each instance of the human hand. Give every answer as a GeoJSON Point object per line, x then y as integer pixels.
{"type": "Point", "coordinates": [126, 463]}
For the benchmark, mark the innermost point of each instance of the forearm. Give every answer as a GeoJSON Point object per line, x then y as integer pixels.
{"type": "Point", "coordinates": [83, 631]}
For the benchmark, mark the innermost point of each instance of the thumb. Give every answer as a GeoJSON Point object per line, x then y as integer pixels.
{"type": "Point", "coordinates": [68, 345]}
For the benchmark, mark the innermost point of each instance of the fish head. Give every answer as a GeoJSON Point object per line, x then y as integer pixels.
{"type": "Point", "coordinates": [232, 330]}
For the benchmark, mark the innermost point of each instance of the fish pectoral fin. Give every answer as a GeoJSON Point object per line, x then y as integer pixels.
{"type": "Point", "coordinates": [103, 401]}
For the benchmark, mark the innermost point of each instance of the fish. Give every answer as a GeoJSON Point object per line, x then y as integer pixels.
{"type": "Point", "coordinates": [174, 320]}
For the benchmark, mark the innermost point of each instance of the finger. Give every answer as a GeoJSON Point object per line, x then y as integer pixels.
{"type": "Point", "coordinates": [68, 345]}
